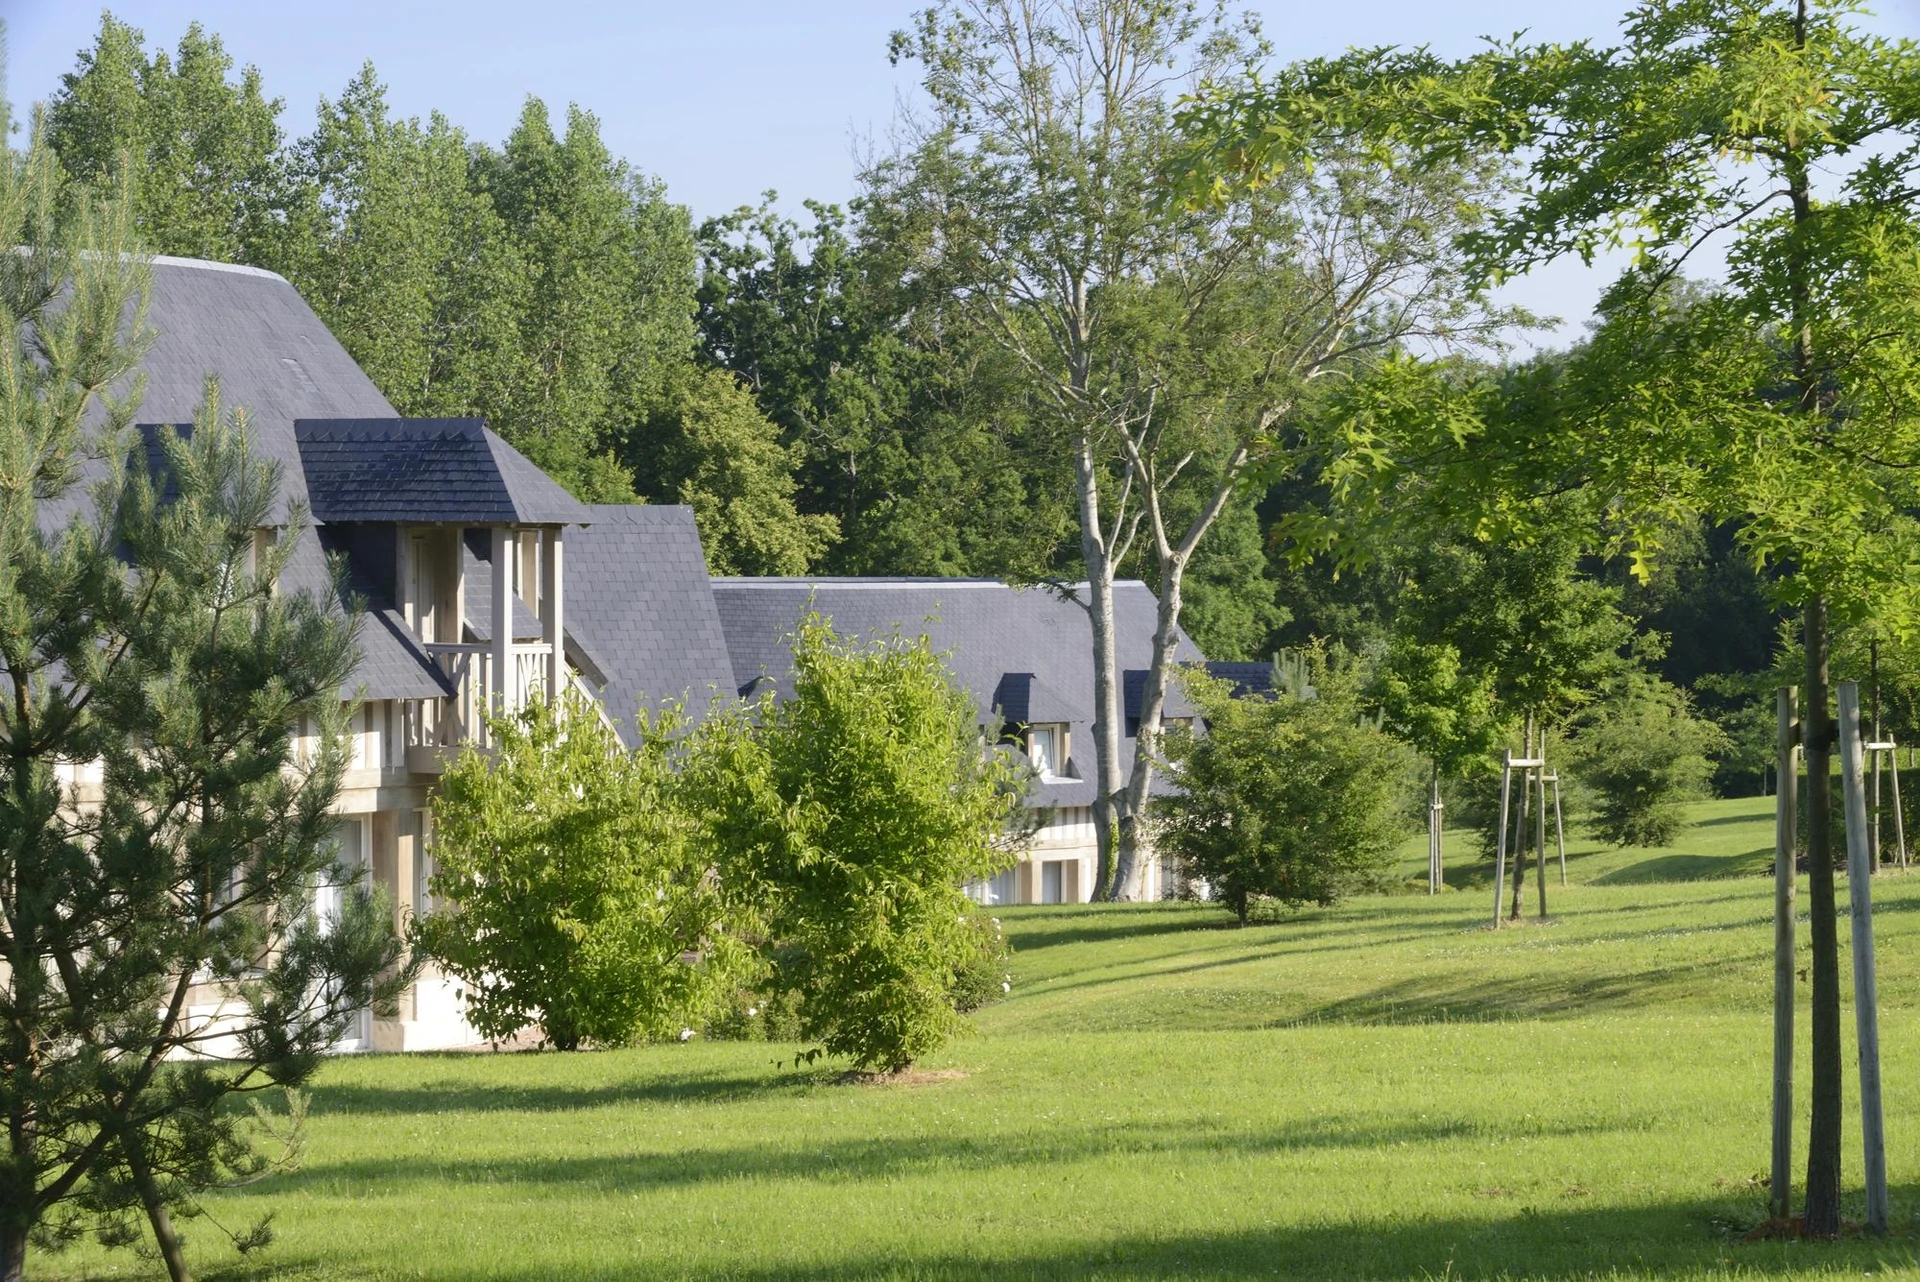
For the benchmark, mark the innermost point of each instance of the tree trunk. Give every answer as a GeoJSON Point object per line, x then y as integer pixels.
{"type": "Point", "coordinates": [1823, 1128]}
{"type": "Point", "coordinates": [1107, 727]}
{"type": "Point", "coordinates": [13, 1253]}
{"type": "Point", "coordinates": [26, 981]}
{"type": "Point", "coordinates": [1146, 743]}
{"type": "Point", "coordinates": [19, 1190]}
{"type": "Point", "coordinates": [158, 1216]}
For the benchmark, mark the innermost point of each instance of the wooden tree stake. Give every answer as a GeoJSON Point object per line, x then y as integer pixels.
{"type": "Point", "coordinates": [1559, 826]}
{"type": "Point", "coordinates": [1540, 827]}
{"type": "Point", "coordinates": [1899, 819]}
{"type": "Point", "coordinates": [1785, 880]}
{"type": "Point", "coordinates": [1866, 1002]}
{"type": "Point", "coordinates": [1500, 841]}
{"type": "Point", "coordinates": [1436, 834]}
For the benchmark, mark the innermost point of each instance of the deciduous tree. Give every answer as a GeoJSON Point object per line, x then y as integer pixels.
{"type": "Point", "coordinates": [1293, 798]}
{"type": "Point", "coordinates": [1169, 346]}
{"type": "Point", "coordinates": [571, 890]}
{"type": "Point", "coordinates": [200, 152]}
{"type": "Point", "coordinates": [849, 817]}
{"type": "Point", "coordinates": [1783, 133]}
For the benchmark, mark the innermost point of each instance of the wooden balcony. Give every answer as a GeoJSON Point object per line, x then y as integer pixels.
{"type": "Point", "coordinates": [436, 729]}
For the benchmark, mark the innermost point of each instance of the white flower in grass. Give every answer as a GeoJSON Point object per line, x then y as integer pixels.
{"type": "Point", "coordinates": [1006, 988]}
{"type": "Point", "coordinates": [752, 1011]}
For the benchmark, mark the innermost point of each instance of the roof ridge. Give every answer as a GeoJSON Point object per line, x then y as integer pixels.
{"type": "Point", "coordinates": [207, 264]}
{"type": "Point", "coordinates": [889, 581]}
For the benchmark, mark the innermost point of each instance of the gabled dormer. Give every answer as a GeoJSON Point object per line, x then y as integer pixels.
{"type": "Point", "coordinates": [409, 497]}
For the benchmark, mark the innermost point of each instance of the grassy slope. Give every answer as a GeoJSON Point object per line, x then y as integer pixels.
{"type": "Point", "coordinates": [1383, 1089]}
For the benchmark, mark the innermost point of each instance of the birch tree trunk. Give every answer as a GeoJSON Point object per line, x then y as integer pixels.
{"type": "Point", "coordinates": [1097, 557]}
{"type": "Point", "coordinates": [1146, 743]}
{"type": "Point", "coordinates": [1173, 559]}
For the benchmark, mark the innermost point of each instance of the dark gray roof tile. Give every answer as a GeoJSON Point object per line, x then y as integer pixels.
{"type": "Point", "coordinates": [393, 665]}
{"type": "Point", "coordinates": [639, 599]}
{"type": "Point", "coordinates": [425, 470]}
{"type": "Point", "coordinates": [1026, 651]}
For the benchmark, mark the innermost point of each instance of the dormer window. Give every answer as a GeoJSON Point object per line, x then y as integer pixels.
{"type": "Point", "coordinates": [1047, 749]}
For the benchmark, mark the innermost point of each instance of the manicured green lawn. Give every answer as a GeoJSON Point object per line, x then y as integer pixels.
{"type": "Point", "coordinates": [1386, 1089]}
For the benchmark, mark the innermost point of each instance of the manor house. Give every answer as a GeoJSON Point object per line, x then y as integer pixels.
{"type": "Point", "coordinates": [482, 581]}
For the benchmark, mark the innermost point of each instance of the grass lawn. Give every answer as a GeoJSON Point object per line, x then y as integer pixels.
{"type": "Point", "coordinates": [1385, 1089]}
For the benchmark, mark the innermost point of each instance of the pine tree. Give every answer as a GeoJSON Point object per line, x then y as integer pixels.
{"type": "Point", "coordinates": [161, 829]}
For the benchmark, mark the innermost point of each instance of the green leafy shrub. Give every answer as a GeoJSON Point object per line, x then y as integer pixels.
{"type": "Point", "coordinates": [571, 891]}
{"type": "Point", "coordinates": [848, 817]}
{"type": "Point", "coordinates": [981, 975]}
{"type": "Point", "coordinates": [1644, 755]}
{"type": "Point", "coordinates": [1292, 799]}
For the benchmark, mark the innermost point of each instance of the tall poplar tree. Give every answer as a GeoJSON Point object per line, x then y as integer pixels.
{"type": "Point", "coordinates": [409, 266]}
{"type": "Point", "coordinates": [200, 151]}
{"type": "Point", "coordinates": [609, 307]}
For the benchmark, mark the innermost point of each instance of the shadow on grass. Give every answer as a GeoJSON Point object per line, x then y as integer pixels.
{"type": "Point", "coordinates": [853, 1160]}
{"type": "Point", "coordinates": [1755, 816]}
{"type": "Point", "coordinates": [462, 1094]}
{"type": "Point", "coordinates": [1682, 867]}
{"type": "Point", "coordinates": [1029, 928]}
{"type": "Point", "coordinates": [1489, 999]}
{"type": "Point", "coordinates": [1550, 1236]}
{"type": "Point", "coordinates": [1665, 866]}
{"type": "Point", "coordinates": [1479, 998]}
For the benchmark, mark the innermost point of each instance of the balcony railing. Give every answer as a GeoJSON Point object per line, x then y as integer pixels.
{"type": "Point", "coordinates": [435, 728]}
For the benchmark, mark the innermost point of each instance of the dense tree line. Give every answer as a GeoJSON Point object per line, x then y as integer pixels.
{"type": "Point", "coordinates": [811, 387]}
{"type": "Point", "coordinates": [824, 391]}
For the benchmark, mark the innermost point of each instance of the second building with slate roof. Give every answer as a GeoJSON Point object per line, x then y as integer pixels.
{"type": "Point", "coordinates": [1023, 654]}
{"type": "Point", "coordinates": [481, 581]}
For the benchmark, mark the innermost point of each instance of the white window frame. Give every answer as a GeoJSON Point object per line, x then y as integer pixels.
{"type": "Point", "coordinates": [1050, 765]}
{"type": "Point", "coordinates": [327, 902]}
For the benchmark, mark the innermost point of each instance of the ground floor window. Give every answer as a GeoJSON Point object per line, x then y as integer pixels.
{"type": "Point", "coordinates": [1053, 881]}
{"type": "Point", "coordinates": [355, 837]}
{"type": "Point", "coordinates": [999, 889]}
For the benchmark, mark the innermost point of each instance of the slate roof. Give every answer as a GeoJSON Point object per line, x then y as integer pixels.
{"type": "Point", "coordinates": [1248, 679]}
{"type": "Point", "coordinates": [638, 597]}
{"type": "Point", "coordinates": [425, 470]}
{"type": "Point", "coordinates": [1027, 651]}
{"type": "Point", "coordinates": [272, 356]}
{"type": "Point", "coordinates": [393, 664]}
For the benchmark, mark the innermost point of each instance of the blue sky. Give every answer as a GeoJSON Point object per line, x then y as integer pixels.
{"type": "Point", "coordinates": [722, 99]}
